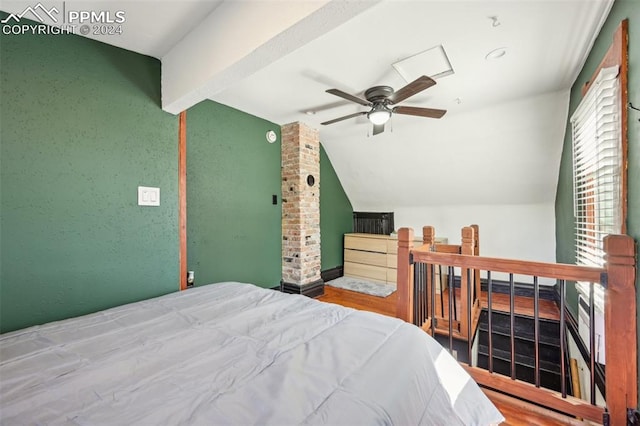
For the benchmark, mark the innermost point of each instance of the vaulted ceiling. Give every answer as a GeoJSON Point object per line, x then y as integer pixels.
{"type": "Point", "coordinates": [500, 141]}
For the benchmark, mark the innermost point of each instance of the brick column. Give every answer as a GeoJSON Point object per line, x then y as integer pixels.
{"type": "Point", "coordinates": [301, 210]}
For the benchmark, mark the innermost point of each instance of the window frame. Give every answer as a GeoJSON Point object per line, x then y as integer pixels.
{"type": "Point", "coordinates": [617, 56]}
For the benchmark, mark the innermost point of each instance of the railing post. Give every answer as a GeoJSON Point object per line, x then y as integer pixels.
{"type": "Point", "coordinates": [429, 239]}
{"type": "Point", "coordinates": [428, 235]}
{"type": "Point", "coordinates": [620, 327]}
{"type": "Point", "coordinates": [404, 279]}
{"type": "Point", "coordinates": [467, 247]}
{"type": "Point", "coordinates": [476, 240]}
{"type": "Point", "coordinates": [476, 272]}
{"type": "Point", "coordinates": [468, 241]}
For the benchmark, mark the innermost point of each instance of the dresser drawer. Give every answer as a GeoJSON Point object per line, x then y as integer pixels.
{"type": "Point", "coordinates": [376, 273]}
{"type": "Point", "coordinates": [366, 257]}
{"type": "Point", "coordinates": [364, 243]}
{"type": "Point", "coordinates": [392, 276]}
{"type": "Point", "coordinates": [392, 246]}
{"type": "Point", "coordinates": [392, 261]}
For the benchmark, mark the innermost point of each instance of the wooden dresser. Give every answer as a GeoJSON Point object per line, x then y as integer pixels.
{"type": "Point", "coordinates": [374, 257]}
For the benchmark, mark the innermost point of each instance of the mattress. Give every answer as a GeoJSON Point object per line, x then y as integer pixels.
{"type": "Point", "coordinates": [234, 354]}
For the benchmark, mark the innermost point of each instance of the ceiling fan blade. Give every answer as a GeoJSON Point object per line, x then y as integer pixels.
{"type": "Point", "coordinates": [378, 128]}
{"type": "Point", "coordinates": [349, 97]}
{"type": "Point", "coordinates": [346, 117]}
{"type": "Point", "coordinates": [416, 86]}
{"type": "Point", "coordinates": [420, 112]}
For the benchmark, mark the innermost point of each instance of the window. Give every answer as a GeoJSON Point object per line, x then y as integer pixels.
{"type": "Point", "coordinates": [597, 171]}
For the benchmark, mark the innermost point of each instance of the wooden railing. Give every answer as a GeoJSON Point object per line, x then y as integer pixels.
{"type": "Point", "coordinates": [434, 312]}
{"type": "Point", "coordinates": [618, 278]}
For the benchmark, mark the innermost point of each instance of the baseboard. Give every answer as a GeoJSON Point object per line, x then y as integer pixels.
{"type": "Point", "coordinates": [313, 289]}
{"type": "Point", "coordinates": [546, 292]}
{"type": "Point", "coordinates": [332, 274]}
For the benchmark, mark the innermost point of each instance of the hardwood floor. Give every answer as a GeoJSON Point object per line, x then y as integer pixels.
{"type": "Point", "coordinates": [387, 305]}
{"type": "Point", "coordinates": [523, 305]}
{"type": "Point", "coordinates": [516, 412]}
{"type": "Point", "coordinates": [361, 301]}
{"type": "Point", "coordinates": [500, 302]}
{"type": "Point", "coordinates": [520, 413]}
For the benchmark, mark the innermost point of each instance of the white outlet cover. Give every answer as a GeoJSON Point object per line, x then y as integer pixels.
{"type": "Point", "coordinates": [148, 196]}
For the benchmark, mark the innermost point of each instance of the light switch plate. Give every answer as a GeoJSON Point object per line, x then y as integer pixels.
{"type": "Point", "coordinates": [148, 196]}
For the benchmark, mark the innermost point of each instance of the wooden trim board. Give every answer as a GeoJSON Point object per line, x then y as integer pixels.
{"type": "Point", "coordinates": [182, 198]}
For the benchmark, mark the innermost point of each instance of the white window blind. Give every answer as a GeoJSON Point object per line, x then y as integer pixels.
{"type": "Point", "coordinates": [597, 166]}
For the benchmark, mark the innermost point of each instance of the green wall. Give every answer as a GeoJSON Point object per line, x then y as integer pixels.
{"type": "Point", "coordinates": [564, 198]}
{"type": "Point", "coordinates": [336, 214]}
{"type": "Point", "coordinates": [81, 129]}
{"type": "Point", "coordinates": [233, 229]}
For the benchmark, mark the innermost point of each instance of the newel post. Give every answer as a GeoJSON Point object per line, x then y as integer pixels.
{"type": "Point", "coordinates": [467, 247]}
{"type": "Point", "coordinates": [429, 240]}
{"type": "Point", "coordinates": [468, 241]}
{"type": "Point", "coordinates": [428, 235]}
{"type": "Point", "coordinates": [404, 280]}
{"type": "Point", "coordinates": [476, 272]}
{"type": "Point", "coordinates": [476, 242]}
{"type": "Point", "coordinates": [620, 327]}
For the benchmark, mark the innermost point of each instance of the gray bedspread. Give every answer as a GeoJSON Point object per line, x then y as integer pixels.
{"type": "Point", "coordinates": [234, 354]}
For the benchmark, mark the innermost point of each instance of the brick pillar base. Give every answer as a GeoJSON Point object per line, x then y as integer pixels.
{"type": "Point", "coordinates": [301, 210]}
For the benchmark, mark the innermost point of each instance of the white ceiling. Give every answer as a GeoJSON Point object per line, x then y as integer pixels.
{"type": "Point", "coordinates": [499, 143]}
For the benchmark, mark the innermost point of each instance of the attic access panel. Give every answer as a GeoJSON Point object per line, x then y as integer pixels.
{"type": "Point", "coordinates": [432, 62]}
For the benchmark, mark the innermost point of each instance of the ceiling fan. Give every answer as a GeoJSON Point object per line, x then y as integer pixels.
{"type": "Point", "coordinates": [379, 98]}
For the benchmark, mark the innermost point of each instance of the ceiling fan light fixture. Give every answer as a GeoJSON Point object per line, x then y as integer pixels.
{"type": "Point", "coordinates": [379, 115]}
{"type": "Point", "coordinates": [379, 98]}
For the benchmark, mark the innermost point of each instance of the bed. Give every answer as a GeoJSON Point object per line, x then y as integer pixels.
{"type": "Point", "coordinates": [232, 353]}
